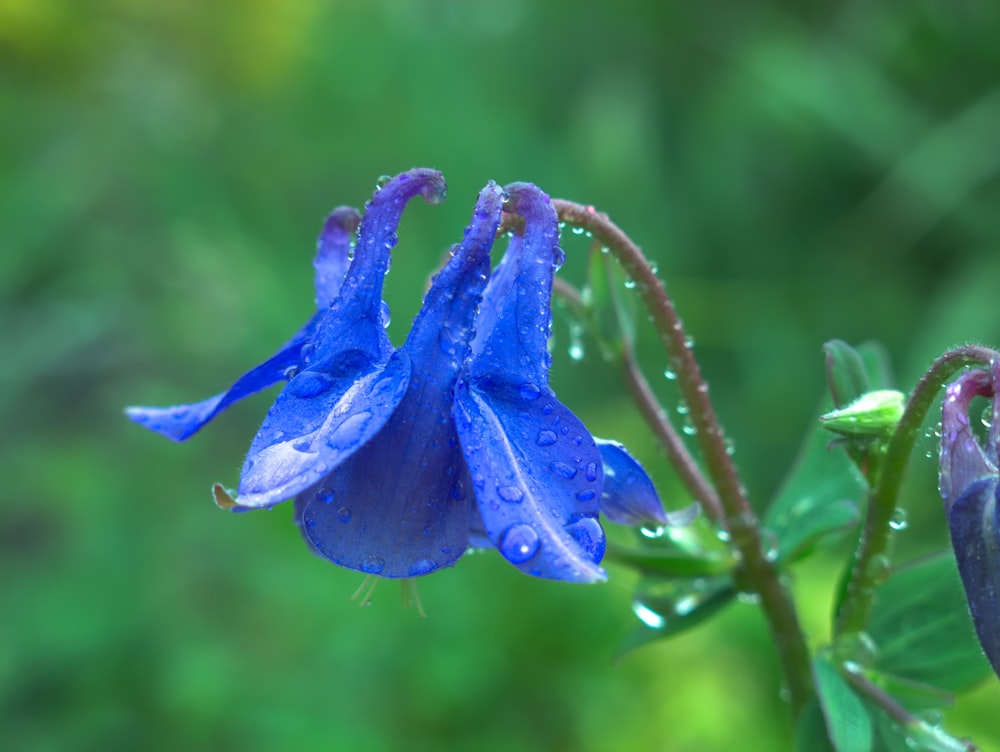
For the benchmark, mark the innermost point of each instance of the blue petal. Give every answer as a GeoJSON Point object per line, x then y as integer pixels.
{"type": "Point", "coordinates": [629, 496]}
{"type": "Point", "coordinates": [182, 421]}
{"type": "Point", "coordinates": [332, 260]}
{"type": "Point", "coordinates": [537, 478]}
{"type": "Point", "coordinates": [399, 506]}
{"type": "Point", "coordinates": [536, 471]}
{"type": "Point", "coordinates": [333, 253]}
{"type": "Point", "coordinates": [353, 381]}
{"type": "Point", "coordinates": [975, 536]}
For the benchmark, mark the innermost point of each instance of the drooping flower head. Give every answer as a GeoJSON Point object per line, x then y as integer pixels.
{"type": "Point", "coordinates": [398, 458]}
{"type": "Point", "coordinates": [968, 482]}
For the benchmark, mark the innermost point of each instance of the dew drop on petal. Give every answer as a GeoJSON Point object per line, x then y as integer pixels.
{"type": "Point", "coordinates": [585, 495]}
{"type": "Point", "coordinates": [591, 471]}
{"type": "Point", "coordinates": [373, 564]}
{"type": "Point", "coordinates": [344, 514]}
{"type": "Point", "coordinates": [324, 495]}
{"type": "Point", "coordinates": [588, 533]}
{"type": "Point", "coordinates": [547, 438]}
{"type": "Point", "coordinates": [529, 391]}
{"type": "Point", "coordinates": [458, 490]}
{"type": "Point", "coordinates": [309, 384]}
{"type": "Point", "coordinates": [565, 470]}
{"type": "Point", "coordinates": [422, 567]}
{"type": "Point", "coordinates": [519, 543]}
{"type": "Point", "coordinates": [510, 494]}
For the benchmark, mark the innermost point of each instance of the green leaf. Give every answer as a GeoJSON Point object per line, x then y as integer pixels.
{"type": "Point", "coordinates": [846, 375]}
{"type": "Point", "coordinates": [818, 499]}
{"type": "Point", "coordinates": [810, 730]}
{"type": "Point", "coordinates": [669, 607]}
{"type": "Point", "coordinates": [921, 624]}
{"type": "Point", "coordinates": [847, 720]}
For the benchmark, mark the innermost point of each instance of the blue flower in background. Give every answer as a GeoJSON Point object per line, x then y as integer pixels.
{"type": "Point", "coordinates": [397, 459]}
{"type": "Point", "coordinates": [968, 482]}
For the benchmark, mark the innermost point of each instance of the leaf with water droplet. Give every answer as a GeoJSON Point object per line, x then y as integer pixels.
{"type": "Point", "coordinates": [667, 608]}
{"type": "Point", "coordinates": [848, 722]}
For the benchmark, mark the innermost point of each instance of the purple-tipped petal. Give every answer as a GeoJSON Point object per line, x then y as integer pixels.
{"type": "Point", "coordinates": [536, 471]}
{"type": "Point", "coordinates": [352, 381]}
{"type": "Point", "coordinates": [400, 505]}
{"type": "Point", "coordinates": [183, 421]}
{"type": "Point", "coordinates": [963, 461]}
{"type": "Point", "coordinates": [969, 486]}
{"type": "Point", "coordinates": [333, 253]}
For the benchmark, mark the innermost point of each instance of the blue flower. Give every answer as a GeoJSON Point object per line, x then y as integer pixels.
{"type": "Point", "coordinates": [968, 482]}
{"type": "Point", "coordinates": [397, 459]}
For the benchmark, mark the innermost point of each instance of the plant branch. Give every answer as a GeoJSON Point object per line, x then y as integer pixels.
{"type": "Point", "coordinates": [758, 572]}
{"type": "Point", "coordinates": [865, 575]}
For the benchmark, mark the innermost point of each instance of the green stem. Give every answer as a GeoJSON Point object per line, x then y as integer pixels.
{"type": "Point", "coordinates": [758, 572]}
{"type": "Point", "coordinates": [865, 576]}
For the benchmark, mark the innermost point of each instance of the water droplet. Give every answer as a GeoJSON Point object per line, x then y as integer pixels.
{"type": "Point", "coordinates": [305, 354]}
{"type": "Point", "coordinates": [630, 283]}
{"type": "Point", "coordinates": [381, 181]}
{"type": "Point", "coordinates": [769, 545]}
{"type": "Point", "coordinates": [458, 490]}
{"type": "Point", "coordinates": [324, 495]}
{"type": "Point", "coordinates": [986, 418]}
{"type": "Point", "coordinates": [669, 375]}
{"type": "Point", "coordinates": [291, 372]}
{"type": "Point", "coordinates": [585, 495]}
{"type": "Point", "coordinates": [578, 230]}
{"type": "Point", "coordinates": [898, 520]}
{"type": "Point", "coordinates": [547, 409]}
{"type": "Point", "coordinates": [879, 569]}
{"type": "Point", "coordinates": [724, 536]}
{"type": "Point", "coordinates": [730, 446]}
{"type": "Point", "coordinates": [421, 567]}
{"type": "Point", "coordinates": [510, 494]}
{"type": "Point", "coordinates": [588, 532]}
{"type": "Point", "coordinates": [648, 616]}
{"type": "Point", "coordinates": [386, 315]}
{"type": "Point", "coordinates": [652, 532]}
{"type": "Point", "coordinates": [344, 514]}
{"type": "Point", "coordinates": [546, 438]}
{"type": "Point", "coordinates": [683, 409]}
{"type": "Point", "coordinates": [529, 391]}
{"type": "Point", "coordinates": [309, 384]}
{"type": "Point", "coordinates": [576, 351]}
{"type": "Point", "coordinates": [689, 430]}
{"type": "Point", "coordinates": [689, 342]}
{"type": "Point", "coordinates": [563, 470]}
{"type": "Point", "coordinates": [373, 564]}
{"type": "Point", "coordinates": [591, 471]}
{"type": "Point", "coordinates": [519, 543]}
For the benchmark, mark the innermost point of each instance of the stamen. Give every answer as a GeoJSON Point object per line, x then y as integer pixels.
{"type": "Point", "coordinates": [364, 593]}
{"type": "Point", "coordinates": [411, 596]}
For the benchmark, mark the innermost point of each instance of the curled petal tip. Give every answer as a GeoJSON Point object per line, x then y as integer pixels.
{"type": "Point", "coordinates": [433, 187]}
{"type": "Point", "coordinates": [343, 218]}
{"type": "Point", "coordinates": [527, 200]}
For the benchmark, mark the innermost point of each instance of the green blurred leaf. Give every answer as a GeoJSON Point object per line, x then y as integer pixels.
{"type": "Point", "coordinates": [612, 313]}
{"type": "Point", "coordinates": [818, 499]}
{"type": "Point", "coordinates": [847, 720]}
{"type": "Point", "coordinates": [810, 731]}
{"type": "Point", "coordinates": [846, 375]}
{"type": "Point", "coordinates": [922, 627]}
{"type": "Point", "coordinates": [669, 607]}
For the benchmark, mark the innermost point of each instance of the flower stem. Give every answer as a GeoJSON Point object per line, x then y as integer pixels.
{"type": "Point", "coordinates": [865, 576]}
{"type": "Point", "coordinates": [683, 462]}
{"type": "Point", "coordinates": [758, 572]}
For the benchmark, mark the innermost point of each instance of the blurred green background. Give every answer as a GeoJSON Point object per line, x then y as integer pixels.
{"type": "Point", "coordinates": [798, 171]}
